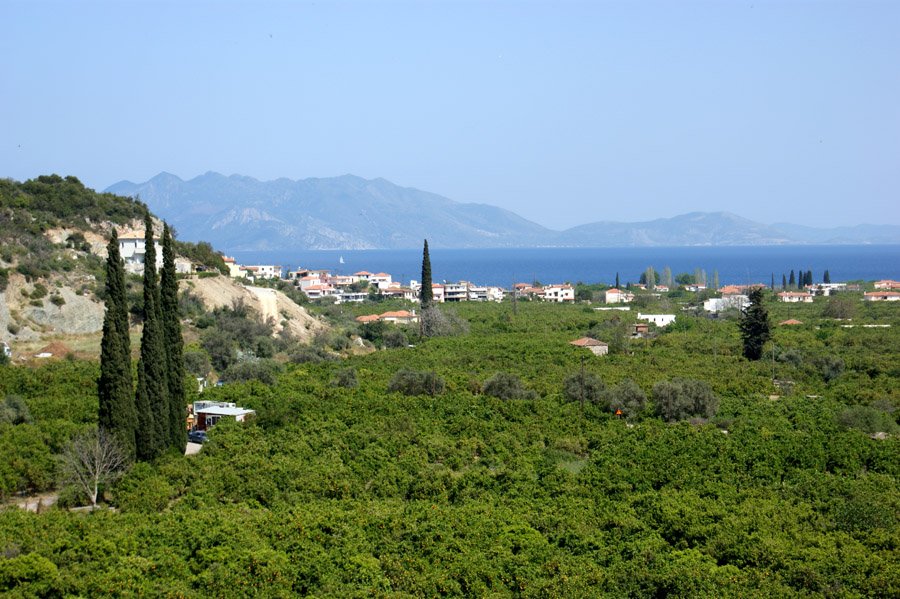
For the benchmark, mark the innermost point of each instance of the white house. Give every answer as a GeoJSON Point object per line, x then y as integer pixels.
{"type": "Point", "coordinates": [887, 284]}
{"type": "Point", "coordinates": [382, 280]}
{"type": "Point", "coordinates": [317, 291]}
{"type": "Point", "coordinates": [659, 320]}
{"type": "Point", "coordinates": [208, 413]}
{"type": "Point", "coordinates": [617, 296]}
{"type": "Point", "coordinates": [133, 249]}
{"type": "Point", "coordinates": [456, 292]}
{"type": "Point", "coordinates": [795, 297]}
{"type": "Point", "coordinates": [882, 296]}
{"type": "Point", "coordinates": [559, 293]}
{"type": "Point", "coordinates": [721, 304]}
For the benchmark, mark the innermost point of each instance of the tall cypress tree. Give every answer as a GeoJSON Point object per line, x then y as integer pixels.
{"type": "Point", "coordinates": [115, 389]}
{"type": "Point", "coordinates": [755, 327]}
{"type": "Point", "coordinates": [617, 280]}
{"type": "Point", "coordinates": [152, 395]}
{"type": "Point", "coordinates": [427, 291]}
{"type": "Point", "coordinates": [793, 281]}
{"type": "Point", "coordinates": [174, 344]}
{"type": "Point", "coordinates": [827, 277]}
{"type": "Point", "coordinates": [809, 280]}
{"type": "Point", "coordinates": [783, 282]}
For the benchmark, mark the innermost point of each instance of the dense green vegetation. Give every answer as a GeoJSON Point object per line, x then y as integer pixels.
{"type": "Point", "coordinates": [342, 488]}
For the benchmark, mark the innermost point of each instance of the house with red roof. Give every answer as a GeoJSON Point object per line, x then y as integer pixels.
{"type": "Point", "coordinates": [795, 297]}
{"type": "Point", "coordinates": [882, 296]}
{"type": "Point", "coordinates": [598, 348]}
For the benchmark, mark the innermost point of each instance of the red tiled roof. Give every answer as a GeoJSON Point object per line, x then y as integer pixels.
{"type": "Point", "coordinates": [397, 314]}
{"type": "Point", "coordinates": [587, 342]}
{"type": "Point", "coordinates": [367, 318]}
{"type": "Point", "coordinates": [790, 321]}
{"type": "Point", "coordinates": [362, 273]}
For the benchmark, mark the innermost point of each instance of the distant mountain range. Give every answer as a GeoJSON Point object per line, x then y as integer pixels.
{"type": "Point", "coordinates": [241, 213]}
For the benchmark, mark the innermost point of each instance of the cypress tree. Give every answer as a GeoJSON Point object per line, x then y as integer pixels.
{"type": "Point", "coordinates": [174, 344]}
{"type": "Point", "coordinates": [151, 397]}
{"type": "Point", "coordinates": [809, 280]}
{"type": "Point", "coordinates": [755, 326]}
{"type": "Point", "coordinates": [427, 292]}
{"type": "Point", "coordinates": [827, 277]}
{"type": "Point", "coordinates": [773, 282]}
{"type": "Point", "coordinates": [617, 280]}
{"type": "Point", "coordinates": [793, 281]}
{"type": "Point", "coordinates": [783, 282]}
{"type": "Point", "coordinates": [115, 389]}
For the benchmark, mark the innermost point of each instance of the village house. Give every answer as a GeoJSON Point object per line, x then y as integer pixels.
{"type": "Point", "coordinates": [826, 289]}
{"type": "Point", "coordinates": [795, 297]}
{"type": "Point", "coordinates": [639, 329]}
{"type": "Point", "coordinates": [132, 249]}
{"type": "Point", "coordinates": [382, 280]}
{"type": "Point", "coordinates": [617, 296]}
{"type": "Point", "coordinates": [206, 414]}
{"type": "Point", "coordinates": [456, 292]}
{"type": "Point", "coordinates": [887, 284]}
{"type": "Point", "coordinates": [395, 291]}
{"type": "Point", "coordinates": [344, 297]}
{"type": "Point", "coordinates": [882, 296]}
{"type": "Point", "coordinates": [317, 291]}
{"type": "Point", "coordinates": [789, 322]}
{"type": "Point", "coordinates": [728, 302]}
{"type": "Point", "coordinates": [659, 320]}
{"type": "Point", "coordinates": [234, 269]}
{"type": "Point", "coordinates": [362, 275]}
{"type": "Point", "coordinates": [559, 293]}
{"type": "Point", "coordinates": [397, 316]}
{"type": "Point", "coordinates": [598, 348]}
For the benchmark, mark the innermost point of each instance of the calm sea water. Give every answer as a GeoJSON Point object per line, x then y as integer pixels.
{"type": "Point", "coordinates": [600, 265]}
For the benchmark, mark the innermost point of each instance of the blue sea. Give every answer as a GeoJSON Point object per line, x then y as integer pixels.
{"type": "Point", "coordinates": [735, 264]}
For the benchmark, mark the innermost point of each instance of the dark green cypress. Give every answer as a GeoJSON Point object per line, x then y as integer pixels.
{"type": "Point", "coordinates": [151, 398]}
{"type": "Point", "coordinates": [783, 282]}
{"type": "Point", "coordinates": [617, 281]}
{"type": "Point", "coordinates": [755, 327]}
{"type": "Point", "coordinates": [115, 388]}
{"type": "Point", "coordinates": [809, 280]}
{"type": "Point", "coordinates": [793, 280]}
{"type": "Point", "coordinates": [773, 282]}
{"type": "Point", "coordinates": [174, 344]}
{"type": "Point", "coordinates": [427, 292]}
{"type": "Point", "coordinates": [827, 277]}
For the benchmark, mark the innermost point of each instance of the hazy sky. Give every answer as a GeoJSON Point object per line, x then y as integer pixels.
{"type": "Point", "coordinates": [565, 112]}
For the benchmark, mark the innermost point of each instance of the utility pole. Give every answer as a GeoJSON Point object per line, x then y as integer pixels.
{"type": "Point", "coordinates": [515, 298]}
{"type": "Point", "coordinates": [582, 385]}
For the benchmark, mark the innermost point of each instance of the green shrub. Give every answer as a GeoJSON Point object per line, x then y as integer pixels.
{"type": "Point", "coordinates": [414, 382]}
{"type": "Point", "coordinates": [346, 378]}
{"type": "Point", "coordinates": [57, 300]}
{"type": "Point", "coordinates": [265, 370]}
{"type": "Point", "coordinates": [143, 491]}
{"type": "Point", "coordinates": [627, 397]}
{"type": "Point", "coordinates": [831, 367]}
{"type": "Point", "coordinates": [684, 398]}
{"type": "Point", "coordinates": [504, 385]}
{"type": "Point", "coordinates": [395, 338]}
{"type": "Point", "coordinates": [868, 420]}
{"type": "Point", "coordinates": [594, 387]}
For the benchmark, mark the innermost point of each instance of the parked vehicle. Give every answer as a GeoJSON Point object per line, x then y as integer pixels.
{"type": "Point", "coordinates": [197, 436]}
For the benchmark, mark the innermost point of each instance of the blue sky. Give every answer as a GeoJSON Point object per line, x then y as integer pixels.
{"type": "Point", "coordinates": [564, 112]}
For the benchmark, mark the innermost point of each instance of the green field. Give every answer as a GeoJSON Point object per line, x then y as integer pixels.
{"type": "Point", "coordinates": [337, 492]}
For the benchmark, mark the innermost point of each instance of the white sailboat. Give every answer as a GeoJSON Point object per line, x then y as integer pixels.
{"type": "Point", "coordinates": [342, 260]}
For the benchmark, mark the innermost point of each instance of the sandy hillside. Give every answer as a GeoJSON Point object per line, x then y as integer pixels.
{"type": "Point", "coordinates": [220, 291]}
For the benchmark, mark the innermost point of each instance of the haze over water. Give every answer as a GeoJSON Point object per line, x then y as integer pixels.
{"type": "Point", "coordinates": [599, 265]}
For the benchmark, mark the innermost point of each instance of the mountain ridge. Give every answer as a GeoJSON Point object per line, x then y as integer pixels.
{"type": "Point", "coordinates": [239, 213]}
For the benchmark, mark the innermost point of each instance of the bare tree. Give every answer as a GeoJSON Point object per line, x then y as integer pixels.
{"type": "Point", "coordinates": [92, 459]}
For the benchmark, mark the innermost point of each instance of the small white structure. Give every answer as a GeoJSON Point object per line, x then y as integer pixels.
{"type": "Point", "coordinates": [659, 320]}
{"type": "Point", "coordinates": [381, 280]}
{"type": "Point", "coordinates": [887, 284]}
{"type": "Point", "coordinates": [7, 351]}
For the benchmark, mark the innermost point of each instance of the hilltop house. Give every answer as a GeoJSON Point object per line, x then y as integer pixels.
{"type": "Point", "coordinates": [559, 293]}
{"type": "Point", "coordinates": [659, 320]}
{"type": "Point", "coordinates": [132, 249]}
